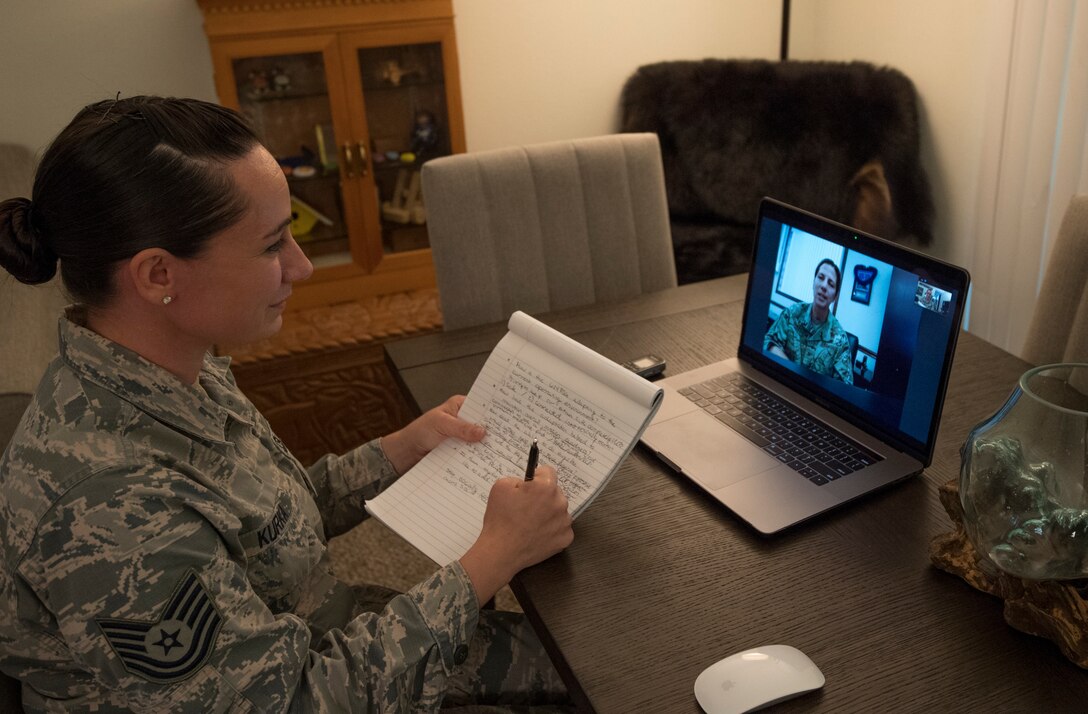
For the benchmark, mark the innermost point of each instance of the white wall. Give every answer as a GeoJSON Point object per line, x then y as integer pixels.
{"type": "Point", "coordinates": [538, 70]}
{"type": "Point", "coordinates": [944, 46]}
{"type": "Point", "coordinates": [57, 56]}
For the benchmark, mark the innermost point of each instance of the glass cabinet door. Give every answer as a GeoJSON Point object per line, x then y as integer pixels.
{"type": "Point", "coordinates": [286, 97]}
{"type": "Point", "coordinates": [351, 116]}
{"type": "Point", "coordinates": [407, 117]}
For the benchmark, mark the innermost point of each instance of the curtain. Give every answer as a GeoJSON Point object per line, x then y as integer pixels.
{"type": "Point", "coordinates": [1034, 159]}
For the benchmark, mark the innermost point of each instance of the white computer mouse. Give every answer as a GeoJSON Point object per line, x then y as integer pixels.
{"type": "Point", "coordinates": [756, 678]}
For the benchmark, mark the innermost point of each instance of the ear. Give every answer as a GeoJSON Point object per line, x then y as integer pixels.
{"type": "Point", "coordinates": [153, 274]}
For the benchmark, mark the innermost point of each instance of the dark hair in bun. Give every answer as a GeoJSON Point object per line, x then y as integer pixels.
{"type": "Point", "coordinates": [21, 253]}
{"type": "Point", "coordinates": [125, 175]}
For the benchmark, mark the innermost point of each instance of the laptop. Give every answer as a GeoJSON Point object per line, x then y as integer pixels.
{"type": "Point", "coordinates": [837, 387]}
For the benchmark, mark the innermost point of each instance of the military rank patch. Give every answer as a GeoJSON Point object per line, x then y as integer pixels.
{"type": "Point", "coordinates": [174, 646]}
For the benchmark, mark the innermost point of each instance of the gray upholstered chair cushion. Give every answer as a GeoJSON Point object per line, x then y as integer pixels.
{"type": "Point", "coordinates": [11, 698]}
{"type": "Point", "coordinates": [12, 407]}
{"type": "Point", "coordinates": [1059, 325]}
{"type": "Point", "coordinates": [547, 226]}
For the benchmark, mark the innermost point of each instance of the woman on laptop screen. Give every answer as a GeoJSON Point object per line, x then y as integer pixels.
{"type": "Point", "coordinates": [809, 334]}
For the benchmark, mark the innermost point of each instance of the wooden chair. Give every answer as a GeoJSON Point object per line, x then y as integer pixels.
{"type": "Point", "coordinates": [1059, 325]}
{"type": "Point", "coordinates": [547, 226]}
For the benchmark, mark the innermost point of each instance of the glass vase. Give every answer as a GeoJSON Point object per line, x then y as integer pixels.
{"type": "Point", "coordinates": [1022, 478]}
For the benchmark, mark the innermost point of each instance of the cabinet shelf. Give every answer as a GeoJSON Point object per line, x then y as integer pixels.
{"type": "Point", "coordinates": [282, 96]}
{"type": "Point", "coordinates": [326, 175]}
{"type": "Point", "coordinates": [403, 86]}
{"type": "Point", "coordinates": [388, 166]}
{"type": "Point", "coordinates": [325, 246]}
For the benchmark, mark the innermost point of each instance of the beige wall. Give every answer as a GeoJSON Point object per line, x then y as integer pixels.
{"type": "Point", "coordinates": [531, 70]}
{"type": "Point", "coordinates": [57, 56]}
{"type": "Point", "coordinates": [945, 48]}
{"type": "Point", "coordinates": [537, 70]}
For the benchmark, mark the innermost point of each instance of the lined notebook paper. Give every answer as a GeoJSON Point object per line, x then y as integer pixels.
{"type": "Point", "coordinates": [585, 411]}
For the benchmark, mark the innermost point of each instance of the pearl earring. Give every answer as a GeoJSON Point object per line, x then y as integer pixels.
{"type": "Point", "coordinates": [166, 299]}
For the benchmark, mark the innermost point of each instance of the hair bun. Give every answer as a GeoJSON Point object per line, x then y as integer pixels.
{"type": "Point", "coordinates": [22, 251]}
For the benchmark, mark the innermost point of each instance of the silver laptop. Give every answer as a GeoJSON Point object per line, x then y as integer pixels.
{"type": "Point", "coordinates": [837, 388]}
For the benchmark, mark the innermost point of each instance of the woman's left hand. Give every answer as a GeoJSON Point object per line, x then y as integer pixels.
{"type": "Point", "coordinates": [404, 448]}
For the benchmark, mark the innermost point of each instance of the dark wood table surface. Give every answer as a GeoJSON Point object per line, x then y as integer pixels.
{"type": "Point", "coordinates": [661, 580]}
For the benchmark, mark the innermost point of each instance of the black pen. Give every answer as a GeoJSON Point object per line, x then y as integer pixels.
{"type": "Point", "coordinates": [534, 455]}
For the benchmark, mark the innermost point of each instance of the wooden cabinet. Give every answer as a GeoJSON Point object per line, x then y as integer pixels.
{"type": "Point", "coordinates": [350, 96]}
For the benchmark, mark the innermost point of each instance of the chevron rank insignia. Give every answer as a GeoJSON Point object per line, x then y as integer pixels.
{"type": "Point", "coordinates": [174, 646]}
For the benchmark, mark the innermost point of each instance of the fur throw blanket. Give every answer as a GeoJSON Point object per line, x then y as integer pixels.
{"type": "Point", "coordinates": [838, 139]}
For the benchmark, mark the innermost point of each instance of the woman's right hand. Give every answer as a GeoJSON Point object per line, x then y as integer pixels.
{"type": "Point", "coordinates": [525, 522]}
{"type": "Point", "coordinates": [774, 349]}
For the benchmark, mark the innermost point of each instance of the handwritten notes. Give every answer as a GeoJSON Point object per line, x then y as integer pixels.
{"type": "Point", "coordinates": [525, 391]}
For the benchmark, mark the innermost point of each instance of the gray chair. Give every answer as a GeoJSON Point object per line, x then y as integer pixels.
{"type": "Point", "coordinates": [1059, 325]}
{"type": "Point", "coordinates": [547, 226]}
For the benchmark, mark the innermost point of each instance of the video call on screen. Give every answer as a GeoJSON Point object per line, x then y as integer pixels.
{"type": "Point", "coordinates": [897, 325]}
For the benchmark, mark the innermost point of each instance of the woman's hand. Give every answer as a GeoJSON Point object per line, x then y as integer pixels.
{"type": "Point", "coordinates": [525, 522]}
{"type": "Point", "coordinates": [404, 448]}
{"type": "Point", "coordinates": [774, 349]}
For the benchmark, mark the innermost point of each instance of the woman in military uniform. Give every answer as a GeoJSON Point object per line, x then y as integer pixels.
{"type": "Point", "coordinates": [162, 550]}
{"type": "Point", "coordinates": [809, 334]}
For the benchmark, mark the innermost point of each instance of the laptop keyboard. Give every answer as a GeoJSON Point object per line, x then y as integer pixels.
{"type": "Point", "coordinates": [808, 446]}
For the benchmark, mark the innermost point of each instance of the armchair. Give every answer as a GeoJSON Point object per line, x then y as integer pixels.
{"type": "Point", "coordinates": [838, 139]}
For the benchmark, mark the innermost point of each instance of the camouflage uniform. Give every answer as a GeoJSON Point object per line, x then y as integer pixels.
{"type": "Point", "coordinates": [162, 550]}
{"type": "Point", "coordinates": [822, 347]}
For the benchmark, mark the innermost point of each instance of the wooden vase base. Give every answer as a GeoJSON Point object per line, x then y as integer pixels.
{"type": "Point", "coordinates": [1053, 609]}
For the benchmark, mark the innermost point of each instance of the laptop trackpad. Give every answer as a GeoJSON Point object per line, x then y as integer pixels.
{"type": "Point", "coordinates": [710, 452]}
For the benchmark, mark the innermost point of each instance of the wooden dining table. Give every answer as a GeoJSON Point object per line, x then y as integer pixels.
{"type": "Point", "coordinates": [661, 580]}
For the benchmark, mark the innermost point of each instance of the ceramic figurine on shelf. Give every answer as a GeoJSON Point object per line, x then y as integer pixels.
{"type": "Point", "coordinates": [394, 72]}
{"type": "Point", "coordinates": [281, 81]}
{"type": "Point", "coordinates": [258, 83]}
{"type": "Point", "coordinates": [424, 134]}
{"type": "Point", "coordinates": [304, 217]}
{"type": "Point", "coordinates": [406, 205]}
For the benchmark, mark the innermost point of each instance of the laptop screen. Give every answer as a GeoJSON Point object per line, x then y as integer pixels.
{"type": "Point", "coordinates": [864, 327]}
